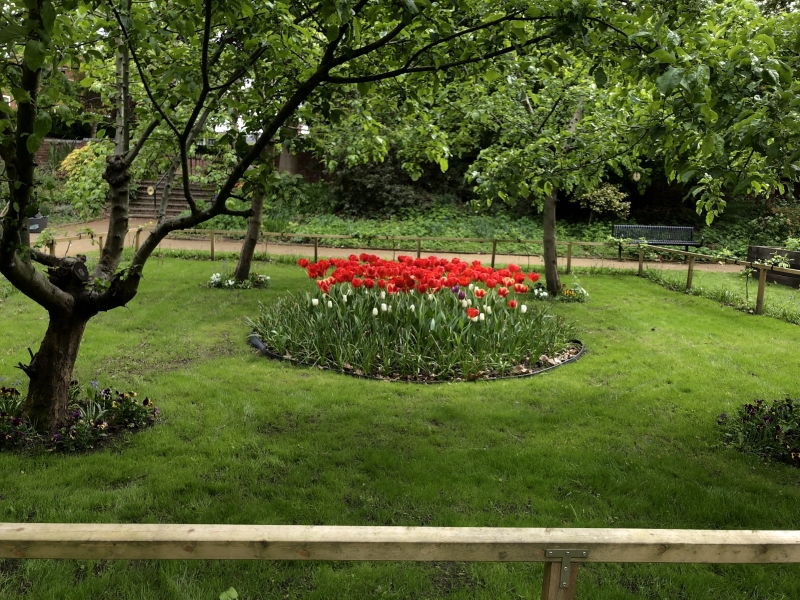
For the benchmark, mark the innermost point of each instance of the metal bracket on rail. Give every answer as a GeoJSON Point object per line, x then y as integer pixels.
{"type": "Point", "coordinates": [566, 556]}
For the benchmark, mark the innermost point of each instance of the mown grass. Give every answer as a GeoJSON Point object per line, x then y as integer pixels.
{"type": "Point", "coordinates": [735, 290]}
{"type": "Point", "coordinates": [625, 437]}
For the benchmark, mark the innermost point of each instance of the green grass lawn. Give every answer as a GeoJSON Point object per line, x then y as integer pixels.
{"type": "Point", "coordinates": [625, 437]}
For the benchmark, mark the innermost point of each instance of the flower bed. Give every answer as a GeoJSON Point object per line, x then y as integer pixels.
{"type": "Point", "coordinates": [425, 319]}
{"type": "Point", "coordinates": [95, 414]}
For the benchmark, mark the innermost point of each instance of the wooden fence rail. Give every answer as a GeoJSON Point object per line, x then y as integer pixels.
{"type": "Point", "coordinates": [561, 549]}
{"type": "Point", "coordinates": [762, 270]}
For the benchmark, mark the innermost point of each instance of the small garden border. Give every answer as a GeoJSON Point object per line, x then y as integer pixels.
{"type": "Point", "coordinates": [255, 342]}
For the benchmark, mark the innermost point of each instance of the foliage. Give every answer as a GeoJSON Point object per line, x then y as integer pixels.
{"type": "Point", "coordinates": [85, 188]}
{"type": "Point", "coordinates": [771, 430]}
{"type": "Point", "coordinates": [45, 238]}
{"type": "Point", "coordinates": [227, 282]}
{"type": "Point", "coordinates": [95, 414]}
{"type": "Point", "coordinates": [15, 430]}
{"type": "Point", "coordinates": [606, 199]}
{"type": "Point", "coordinates": [792, 244]}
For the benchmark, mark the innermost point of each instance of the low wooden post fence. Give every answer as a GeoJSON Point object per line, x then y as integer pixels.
{"type": "Point", "coordinates": [641, 261]}
{"type": "Point", "coordinates": [762, 270]}
{"type": "Point", "coordinates": [569, 258]}
{"type": "Point", "coordinates": [563, 550]}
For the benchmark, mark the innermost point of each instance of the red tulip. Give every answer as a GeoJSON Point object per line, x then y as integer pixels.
{"type": "Point", "coordinates": [502, 292]}
{"type": "Point", "coordinates": [369, 283]}
{"type": "Point", "coordinates": [512, 304]}
{"type": "Point", "coordinates": [513, 268]}
{"type": "Point", "coordinates": [356, 282]}
{"type": "Point", "coordinates": [303, 262]}
{"type": "Point", "coordinates": [473, 313]}
{"type": "Point", "coordinates": [534, 277]}
{"type": "Point", "coordinates": [480, 292]}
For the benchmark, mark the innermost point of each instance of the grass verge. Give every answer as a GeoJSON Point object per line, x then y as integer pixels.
{"type": "Point", "coordinates": [625, 437]}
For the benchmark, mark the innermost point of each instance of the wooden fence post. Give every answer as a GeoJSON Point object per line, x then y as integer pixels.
{"type": "Point", "coordinates": [419, 247]}
{"type": "Point", "coordinates": [316, 248]}
{"type": "Point", "coordinates": [137, 240]}
{"type": "Point", "coordinates": [100, 243]}
{"type": "Point", "coordinates": [762, 284]}
{"type": "Point", "coordinates": [551, 585]}
{"type": "Point", "coordinates": [213, 248]}
{"type": "Point", "coordinates": [641, 260]}
{"type": "Point", "coordinates": [494, 251]}
{"type": "Point", "coordinates": [52, 248]}
{"type": "Point", "coordinates": [690, 274]}
{"type": "Point", "coordinates": [569, 258]}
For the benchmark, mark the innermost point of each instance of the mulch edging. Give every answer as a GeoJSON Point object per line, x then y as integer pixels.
{"type": "Point", "coordinates": [256, 343]}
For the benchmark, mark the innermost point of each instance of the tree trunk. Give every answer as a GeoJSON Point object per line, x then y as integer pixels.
{"type": "Point", "coordinates": [550, 248]}
{"type": "Point", "coordinates": [251, 237]}
{"type": "Point", "coordinates": [50, 372]}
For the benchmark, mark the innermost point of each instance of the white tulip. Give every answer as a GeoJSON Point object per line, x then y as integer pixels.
{"type": "Point", "coordinates": [383, 307]}
{"type": "Point", "coordinates": [314, 302]}
{"type": "Point", "coordinates": [523, 309]}
{"type": "Point", "coordinates": [330, 304]}
{"type": "Point", "coordinates": [469, 301]}
{"type": "Point", "coordinates": [464, 304]}
{"type": "Point", "coordinates": [412, 307]}
{"type": "Point", "coordinates": [374, 312]}
{"type": "Point", "coordinates": [482, 317]}
{"type": "Point", "coordinates": [433, 323]}
{"type": "Point", "coordinates": [344, 298]}
{"type": "Point", "coordinates": [390, 309]}
{"type": "Point", "coordinates": [383, 295]}
{"type": "Point", "coordinates": [471, 286]}
{"type": "Point", "coordinates": [488, 309]}
{"type": "Point", "coordinates": [544, 294]}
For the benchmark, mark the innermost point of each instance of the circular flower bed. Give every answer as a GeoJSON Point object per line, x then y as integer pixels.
{"type": "Point", "coordinates": [424, 319]}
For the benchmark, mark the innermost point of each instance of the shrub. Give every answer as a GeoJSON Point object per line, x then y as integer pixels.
{"type": "Point", "coordinates": [85, 189]}
{"type": "Point", "coordinates": [416, 319]}
{"type": "Point", "coordinates": [227, 282]}
{"type": "Point", "coordinates": [770, 430]}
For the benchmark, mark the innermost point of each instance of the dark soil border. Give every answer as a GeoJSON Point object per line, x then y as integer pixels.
{"type": "Point", "coordinates": [255, 342]}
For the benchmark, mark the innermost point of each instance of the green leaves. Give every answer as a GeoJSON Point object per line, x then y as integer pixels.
{"type": "Point", "coordinates": [229, 594]}
{"type": "Point", "coordinates": [669, 80]}
{"type": "Point", "coordinates": [663, 56]}
{"type": "Point", "coordinates": [34, 54]}
{"type": "Point", "coordinates": [12, 33]}
{"type": "Point", "coordinates": [600, 77]}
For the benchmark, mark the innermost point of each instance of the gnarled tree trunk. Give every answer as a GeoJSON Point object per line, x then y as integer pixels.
{"type": "Point", "coordinates": [50, 372]}
{"type": "Point", "coordinates": [549, 241]}
{"type": "Point", "coordinates": [251, 237]}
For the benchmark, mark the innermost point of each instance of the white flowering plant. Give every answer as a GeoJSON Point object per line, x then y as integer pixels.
{"type": "Point", "coordinates": [227, 282]}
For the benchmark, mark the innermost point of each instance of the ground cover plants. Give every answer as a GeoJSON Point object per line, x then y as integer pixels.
{"type": "Point", "coordinates": [625, 437]}
{"type": "Point", "coordinates": [768, 429]}
{"type": "Point", "coordinates": [423, 319]}
{"type": "Point", "coordinates": [95, 415]}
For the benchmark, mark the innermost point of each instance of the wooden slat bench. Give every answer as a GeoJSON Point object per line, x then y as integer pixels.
{"type": "Point", "coordinates": [561, 549]}
{"type": "Point", "coordinates": [657, 235]}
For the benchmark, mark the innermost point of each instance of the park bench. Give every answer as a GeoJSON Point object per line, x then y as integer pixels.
{"type": "Point", "coordinates": [562, 550]}
{"type": "Point", "coordinates": [658, 235]}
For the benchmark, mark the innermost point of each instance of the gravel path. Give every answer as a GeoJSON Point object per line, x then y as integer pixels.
{"type": "Point", "coordinates": [85, 245]}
